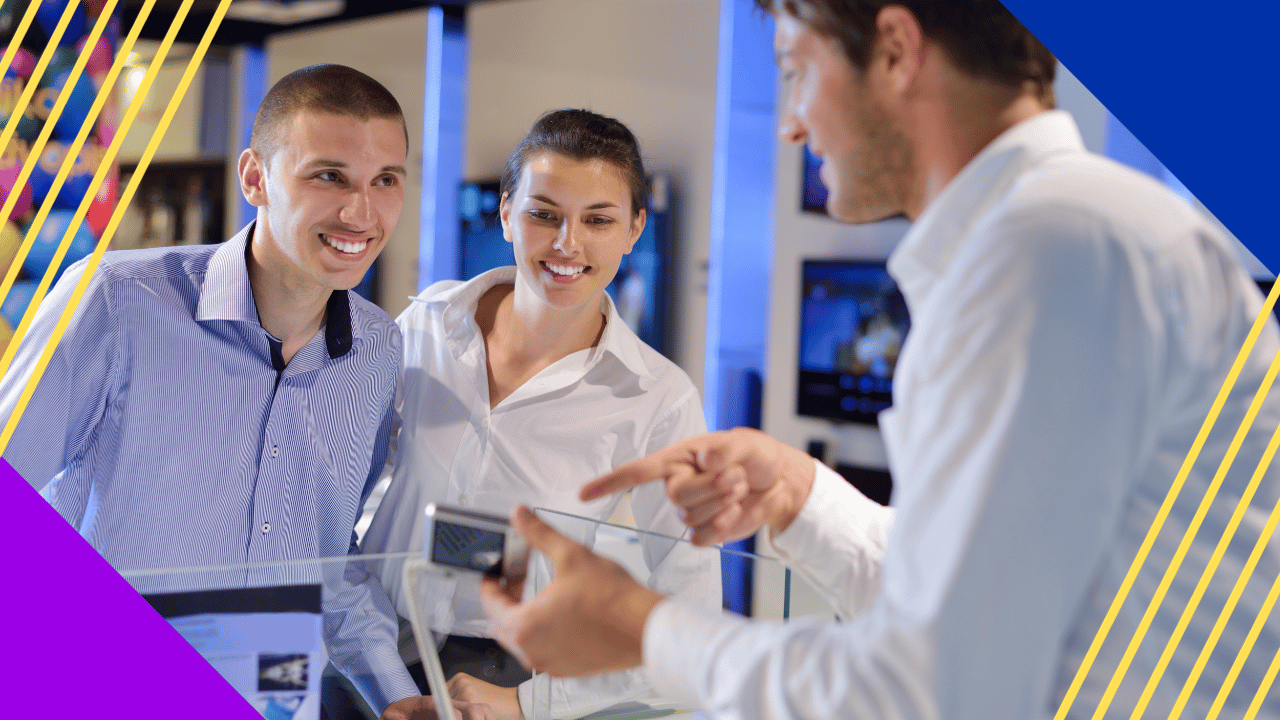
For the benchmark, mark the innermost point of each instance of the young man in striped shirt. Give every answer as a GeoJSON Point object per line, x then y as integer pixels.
{"type": "Point", "coordinates": [229, 404]}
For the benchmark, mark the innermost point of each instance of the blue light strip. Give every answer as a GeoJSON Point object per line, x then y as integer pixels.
{"type": "Point", "coordinates": [742, 191]}
{"type": "Point", "coordinates": [443, 145]}
{"type": "Point", "coordinates": [741, 243]}
{"type": "Point", "coordinates": [252, 87]}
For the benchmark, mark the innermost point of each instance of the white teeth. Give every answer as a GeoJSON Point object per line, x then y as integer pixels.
{"type": "Point", "coordinates": [563, 269]}
{"type": "Point", "coordinates": [351, 248]}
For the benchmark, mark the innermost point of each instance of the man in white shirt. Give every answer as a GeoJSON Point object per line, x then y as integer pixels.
{"type": "Point", "coordinates": [1072, 324]}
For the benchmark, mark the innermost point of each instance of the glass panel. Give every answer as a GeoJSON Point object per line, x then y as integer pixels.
{"type": "Point", "coordinates": [269, 627]}
{"type": "Point", "coordinates": [773, 585]}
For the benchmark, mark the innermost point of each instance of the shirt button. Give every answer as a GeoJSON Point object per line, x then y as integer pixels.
{"type": "Point", "coordinates": [462, 499]}
{"type": "Point", "coordinates": [275, 451]}
{"type": "Point", "coordinates": [484, 423]}
{"type": "Point", "coordinates": [266, 528]}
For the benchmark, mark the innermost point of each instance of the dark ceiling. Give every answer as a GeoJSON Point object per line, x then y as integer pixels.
{"type": "Point", "coordinates": [236, 32]}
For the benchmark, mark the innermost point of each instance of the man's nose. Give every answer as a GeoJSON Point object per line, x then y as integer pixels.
{"type": "Point", "coordinates": [790, 129]}
{"type": "Point", "coordinates": [357, 210]}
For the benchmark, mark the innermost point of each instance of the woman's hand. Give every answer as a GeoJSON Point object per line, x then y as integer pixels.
{"type": "Point", "coordinates": [423, 707]}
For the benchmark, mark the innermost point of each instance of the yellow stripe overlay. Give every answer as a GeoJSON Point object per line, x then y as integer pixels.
{"type": "Point", "coordinates": [68, 160]}
{"type": "Point", "coordinates": [19, 34]}
{"type": "Point", "coordinates": [1246, 573]}
{"type": "Point", "coordinates": [41, 65]}
{"type": "Point", "coordinates": [1158, 523]}
{"type": "Point", "coordinates": [125, 198]}
{"type": "Point", "coordinates": [1219, 551]}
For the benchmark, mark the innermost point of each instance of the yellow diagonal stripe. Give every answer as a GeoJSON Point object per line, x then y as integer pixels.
{"type": "Point", "coordinates": [36, 75]}
{"type": "Point", "coordinates": [1237, 590]}
{"type": "Point", "coordinates": [125, 199]}
{"type": "Point", "coordinates": [1158, 523]}
{"type": "Point", "coordinates": [19, 35]}
{"type": "Point", "coordinates": [1245, 649]}
{"type": "Point", "coordinates": [1228, 534]}
{"type": "Point", "coordinates": [68, 161]}
{"type": "Point", "coordinates": [45, 131]}
{"type": "Point", "coordinates": [1259, 547]}
{"type": "Point", "coordinates": [1265, 687]}
{"type": "Point", "coordinates": [104, 167]}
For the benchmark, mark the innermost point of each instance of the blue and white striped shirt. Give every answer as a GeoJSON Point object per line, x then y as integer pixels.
{"type": "Point", "coordinates": [163, 432]}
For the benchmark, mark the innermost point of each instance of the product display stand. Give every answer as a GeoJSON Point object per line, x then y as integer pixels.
{"type": "Point", "coordinates": [415, 571]}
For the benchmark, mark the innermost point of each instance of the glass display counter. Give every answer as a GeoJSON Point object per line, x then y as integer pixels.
{"type": "Point", "coordinates": [265, 626]}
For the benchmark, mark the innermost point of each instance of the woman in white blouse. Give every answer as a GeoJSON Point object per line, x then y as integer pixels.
{"type": "Point", "coordinates": [524, 383]}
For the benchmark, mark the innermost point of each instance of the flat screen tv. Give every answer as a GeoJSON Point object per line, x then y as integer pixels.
{"type": "Point", "coordinates": [640, 288]}
{"type": "Point", "coordinates": [853, 321]}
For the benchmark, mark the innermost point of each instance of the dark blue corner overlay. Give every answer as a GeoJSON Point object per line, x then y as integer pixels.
{"type": "Point", "coordinates": [1194, 82]}
{"type": "Point", "coordinates": [83, 642]}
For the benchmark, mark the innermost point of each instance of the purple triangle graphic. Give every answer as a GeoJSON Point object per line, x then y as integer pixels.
{"type": "Point", "coordinates": [83, 638]}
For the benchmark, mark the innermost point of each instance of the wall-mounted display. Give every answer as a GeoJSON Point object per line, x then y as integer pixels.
{"type": "Point", "coordinates": [853, 322]}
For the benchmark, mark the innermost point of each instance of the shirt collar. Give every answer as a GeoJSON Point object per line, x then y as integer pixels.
{"type": "Point", "coordinates": [227, 295]}
{"type": "Point", "coordinates": [621, 341]}
{"type": "Point", "coordinates": [618, 339]}
{"type": "Point", "coordinates": [932, 239]}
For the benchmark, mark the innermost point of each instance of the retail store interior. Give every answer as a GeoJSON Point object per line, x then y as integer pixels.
{"type": "Point", "coordinates": [741, 254]}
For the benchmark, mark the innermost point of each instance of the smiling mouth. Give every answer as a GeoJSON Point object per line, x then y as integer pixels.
{"type": "Point", "coordinates": [565, 271]}
{"type": "Point", "coordinates": [346, 247]}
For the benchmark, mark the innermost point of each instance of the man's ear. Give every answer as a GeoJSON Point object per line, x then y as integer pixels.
{"type": "Point", "coordinates": [899, 47]}
{"type": "Point", "coordinates": [253, 181]}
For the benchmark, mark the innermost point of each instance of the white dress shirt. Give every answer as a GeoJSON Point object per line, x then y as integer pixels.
{"type": "Point", "coordinates": [1072, 323]}
{"type": "Point", "coordinates": [576, 420]}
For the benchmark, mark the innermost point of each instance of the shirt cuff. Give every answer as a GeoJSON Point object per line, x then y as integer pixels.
{"type": "Point", "coordinates": [676, 642]}
{"type": "Point", "coordinates": [527, 696]}
{"type": "Point", "coordinates": [832, 501]}
{"type": "Point", "coordinates": [381, 688]}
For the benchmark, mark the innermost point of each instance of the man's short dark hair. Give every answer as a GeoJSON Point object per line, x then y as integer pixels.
{"type": "Point", "coordinates": [981, 36]}
{"type": "Point", "coordinates": [333, 89]}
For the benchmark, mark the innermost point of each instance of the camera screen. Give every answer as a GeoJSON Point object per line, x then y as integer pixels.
{"type": "Point", "coordinates": [468, 548]}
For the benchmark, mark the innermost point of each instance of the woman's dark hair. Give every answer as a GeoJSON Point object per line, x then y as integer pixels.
{"type": "Point", "coordinates": [582, 135]}
{"type": "Point", "coordinates": [981, 36]}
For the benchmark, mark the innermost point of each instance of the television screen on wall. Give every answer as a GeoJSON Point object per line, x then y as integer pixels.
{"type": "Point", "coordinates": [639, 290]}
{"type": "Point", "coordinates": [853, 322]}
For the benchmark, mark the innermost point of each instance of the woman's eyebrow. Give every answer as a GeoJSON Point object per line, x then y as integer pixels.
{"type": "Point", "coordinates": [596, 206]}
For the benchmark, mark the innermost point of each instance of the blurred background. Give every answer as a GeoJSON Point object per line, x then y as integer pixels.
{"type": "Point", "coordinates": [736, 271]}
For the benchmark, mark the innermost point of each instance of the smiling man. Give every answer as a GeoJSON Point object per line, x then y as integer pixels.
{"type": "Point", "coordinates": [1072, 324]}
{"type": "Point", "coordinates": [232, 403]}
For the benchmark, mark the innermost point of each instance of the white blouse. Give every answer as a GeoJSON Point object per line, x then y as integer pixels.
{"type": "Point", "coordinates": [576, 420]}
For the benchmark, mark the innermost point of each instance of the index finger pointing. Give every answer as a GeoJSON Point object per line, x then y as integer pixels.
{"type": "Point", "coordinates": [658, 466]}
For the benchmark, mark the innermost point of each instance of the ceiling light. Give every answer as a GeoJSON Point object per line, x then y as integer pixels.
{"type": "Point", "coordinates": [285, 12]}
